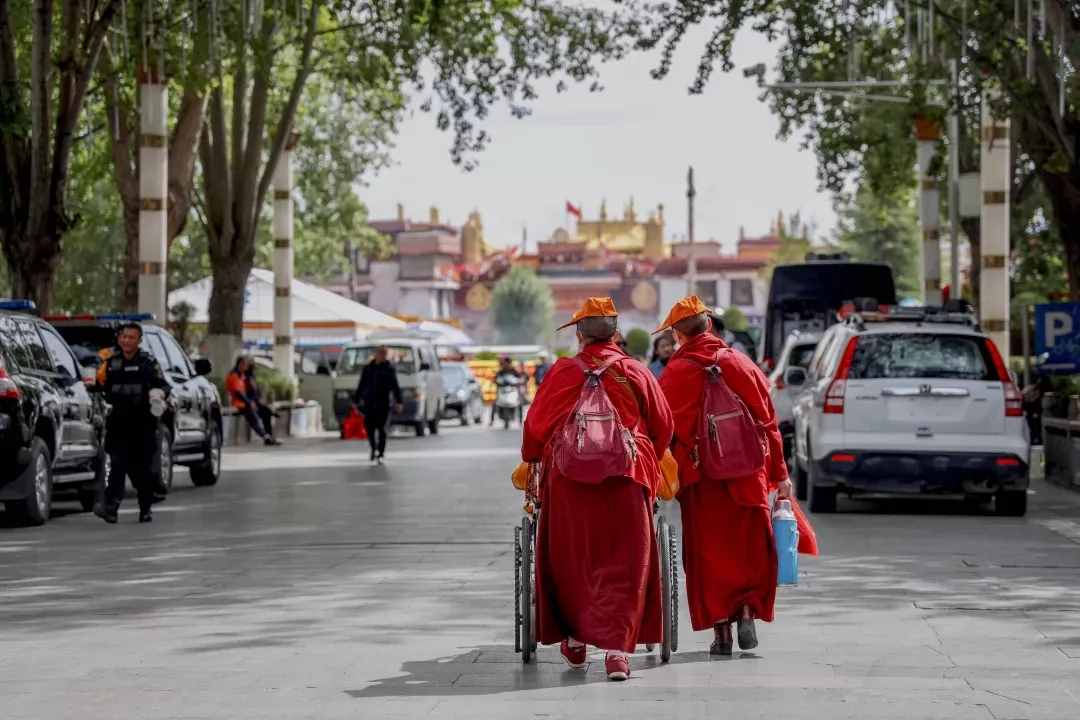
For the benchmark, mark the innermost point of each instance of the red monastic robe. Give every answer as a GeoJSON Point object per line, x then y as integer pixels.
{"type": "Point", "coordinates": [597, 567]}
{"type": "Point", "coordinates": [728, 550]}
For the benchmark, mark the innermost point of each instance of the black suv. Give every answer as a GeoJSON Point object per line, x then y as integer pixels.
{"type": "Point", "coordinates": [191, 427]}
{"type": "Point", "coordinates": [52, 429]}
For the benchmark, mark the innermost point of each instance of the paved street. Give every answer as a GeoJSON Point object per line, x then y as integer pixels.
{"type": "Point", "coordinates": [309, 584]}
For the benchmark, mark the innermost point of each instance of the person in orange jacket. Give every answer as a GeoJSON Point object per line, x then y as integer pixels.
{"type": "Point", "coordinates": [728, 550]}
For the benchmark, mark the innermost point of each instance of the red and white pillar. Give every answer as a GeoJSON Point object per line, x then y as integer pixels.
{"type": "Point", "coordinates": [928, 135]}
{"type": "Point", "coordinates": [995, 175]}
{"type": "Point", "coordinates": [153, 192]}
{"type": "Point", "coordinates": [283, 260]}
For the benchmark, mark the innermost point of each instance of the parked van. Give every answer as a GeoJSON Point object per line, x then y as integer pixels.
{"type": "Point", "coordinates": [418, 373]}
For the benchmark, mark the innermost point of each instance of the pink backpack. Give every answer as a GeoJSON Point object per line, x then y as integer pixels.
{"type": "Point", "coordinates": [729, 441]}
{"type": "Point", "coordinates": [593, 444]}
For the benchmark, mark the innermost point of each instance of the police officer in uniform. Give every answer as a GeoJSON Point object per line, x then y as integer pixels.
{"type": "Point", "coordinates": [136, 389]}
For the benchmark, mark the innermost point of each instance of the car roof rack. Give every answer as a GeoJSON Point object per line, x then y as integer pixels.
{"type": "Point", "coordinates": [948, 314]}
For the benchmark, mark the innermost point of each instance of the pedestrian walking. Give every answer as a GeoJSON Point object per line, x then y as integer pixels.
{"type": "Point", "coordinates": [662, 349]}
{"type": "Point", "coordinates": [136, 391]}
{"type": "Point", "coordinates": [597, 566]}
{"type": "Point", "coordinates": [728, 551]}
{"type": "Point", "coordinates": [239, 383]}
{"type": "Point", "coordinates": [378, 385]}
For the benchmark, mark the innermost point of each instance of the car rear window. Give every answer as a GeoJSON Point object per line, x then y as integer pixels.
{"type": "Point", "coordinates": [801, 355]}
{"type": "Point", "coordinates": [87, 340]}
{"type": "Point", "coordinates": [913, 355]}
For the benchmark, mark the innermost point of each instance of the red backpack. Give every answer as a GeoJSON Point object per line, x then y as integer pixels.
{"type": "Point", "coordinates": [729, 441]}
{"type": "Point", "coordinates": [593, 444]}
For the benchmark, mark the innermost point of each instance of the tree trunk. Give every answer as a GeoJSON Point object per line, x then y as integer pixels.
{"type": "Point", "coordinates": [1064, 194]}
{"type": "Point", "coordinates": [972, 228]}
{"type": "Point", "coordinates": [32, 262]}
{"type": "Point", "coordinates": [226, 310]}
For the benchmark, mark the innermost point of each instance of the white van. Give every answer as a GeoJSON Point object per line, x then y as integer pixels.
{"type": "Point", "coordinates": [418, 374]}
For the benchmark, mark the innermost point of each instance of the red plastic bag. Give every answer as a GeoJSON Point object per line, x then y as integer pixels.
{"type": "Point", "coordinates": [807, 537]}
{"type": "Point", "coordinates": [352, 426]}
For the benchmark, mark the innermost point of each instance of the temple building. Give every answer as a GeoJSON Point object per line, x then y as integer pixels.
{"type": "Point", "coordinates": [439, 271]}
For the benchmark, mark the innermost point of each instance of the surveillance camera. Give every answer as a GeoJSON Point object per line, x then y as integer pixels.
{"type": "Point", "coordinates": [757, 71]}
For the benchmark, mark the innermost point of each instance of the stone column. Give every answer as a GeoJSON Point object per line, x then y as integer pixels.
{"type": "Point", "coordinates": [995, 175]}
{"type": "Point", "coordinates": [153, 192]}
{"type": "Point", "coordinates": [283, 260]}
{"type": "Point", "coordinates": [928, 135]}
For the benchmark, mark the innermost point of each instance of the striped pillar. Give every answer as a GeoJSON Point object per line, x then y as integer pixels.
{"type": "Point", "coordinates": [153, 192]}
{"type": "Point", "coordinates": [283, 260]}
{"type": "Point", "coordinates": [996, 170]}
{"type": "Point", "coordinates": [928, 134]}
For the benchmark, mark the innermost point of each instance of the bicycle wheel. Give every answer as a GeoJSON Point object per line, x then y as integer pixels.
{"type": "Point", "coordinates": [673, 565]}
{"type": "Point", "coordinates": [517, 589]}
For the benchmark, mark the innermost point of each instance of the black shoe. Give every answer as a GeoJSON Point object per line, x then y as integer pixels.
{"type": "Point", "coordinates": [146, 516]}
{"type": "Point", "coordinates": [722, 643]}
{"type": "Point", "coordinates": [374, 456]}
{"type": "Point", "coordinates": [270, 441]}
{"type": "Point", "coordinates": [747, 631]}
{"type": "Point", "coordinates": [110, 515]}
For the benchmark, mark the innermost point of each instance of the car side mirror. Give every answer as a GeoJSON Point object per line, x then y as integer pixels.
{"type": "Point", "coordinates": [425, 367]}
{"type": "Point", "coordinates": [322, 370]}
{"type": "Point", "coordinates": [795, 377]}
{"type": "Point", "coordinates": [203, 367]}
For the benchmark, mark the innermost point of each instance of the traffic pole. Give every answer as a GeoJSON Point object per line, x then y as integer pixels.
{"type": "Point", "coordinates": [995, 175]}
{"type": "Point", "coordinates": [691, 265]}
{"type": "Point", "coordinates": [153, 191]}
{"type": "Point", "coordinates": [283, 259]}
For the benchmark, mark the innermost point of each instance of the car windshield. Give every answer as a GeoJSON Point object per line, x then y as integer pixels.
{"type": "Point", "coordinates": [800, 356]}
{"type": "Point", "coordinates": [354, 359]}
{"type": "Point", "coordinates": [454, 376]}
{"type": "Point", "coordinates": [921, 356]}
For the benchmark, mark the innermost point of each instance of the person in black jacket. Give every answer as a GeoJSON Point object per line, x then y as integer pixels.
{"type": "Point", "coordinates": [136, 390]}
{"type": "Point", "coordinates": [378, 384]}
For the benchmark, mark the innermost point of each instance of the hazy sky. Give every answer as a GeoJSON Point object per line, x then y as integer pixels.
{"type": "Point", "coordinates": [636, 138]}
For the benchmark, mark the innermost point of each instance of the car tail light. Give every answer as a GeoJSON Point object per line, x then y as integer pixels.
{"type": "Point", "coordinates": [779, 384]}
{"type": "Point", "coordinates": [1007, 462]}
{"type": "Point", "coordinates": [842, 458]}
{"type": "Point", "coordinates": [1014, 400]}
{"type": "Point", "coordinates": [834, 395]}
{"type": "Point", "coordinates": [8, 389]}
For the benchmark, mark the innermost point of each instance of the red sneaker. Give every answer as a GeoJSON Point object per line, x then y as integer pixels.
{"type": "Point", "coordinates": [617, 666]}
{"type": "Point", "coordinates": [573, 656]}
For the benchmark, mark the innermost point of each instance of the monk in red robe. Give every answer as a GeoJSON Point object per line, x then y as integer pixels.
{"type": "Point", "coordinates": [728, 550]}
{"type": "Point", "coordinates": [597, 566]}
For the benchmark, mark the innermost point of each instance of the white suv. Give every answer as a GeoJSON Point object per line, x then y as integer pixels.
{"type": "Point", "coordinates": [792, 362]}
{"type": "Point", "coordinates": [916, 401]}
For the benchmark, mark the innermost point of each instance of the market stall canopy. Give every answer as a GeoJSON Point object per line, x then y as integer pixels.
{"type": "Point", "coordinates": [312, 307]}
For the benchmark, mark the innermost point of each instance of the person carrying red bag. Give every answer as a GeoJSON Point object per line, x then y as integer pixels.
{"type": "Point", "coordinates": [729, 555]}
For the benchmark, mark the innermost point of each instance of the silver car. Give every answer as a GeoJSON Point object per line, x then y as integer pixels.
{"type": "Point", "coordinates": [795, 355]}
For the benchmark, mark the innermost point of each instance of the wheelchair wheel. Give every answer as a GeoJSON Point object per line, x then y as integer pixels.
{"type": "Point", "coordinates": [663, 538]}
{"type": "Point", "coordinates": [673, 564]}
{"type": "Point", "coordinates": [517, 589]}
{"type": "Point", "coordinates": [527, 580]}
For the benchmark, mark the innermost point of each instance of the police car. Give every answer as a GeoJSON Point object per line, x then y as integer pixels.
{"type": "Point", "coordinates": [51, 427]}
{"type": "Point", "coordinates": [191, 428]}
{"type": "Point", "coordinates": [910, 402]}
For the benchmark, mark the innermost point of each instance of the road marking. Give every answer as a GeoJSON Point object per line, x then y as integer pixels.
{"type": "Point", "coordinates": [1069, 529]}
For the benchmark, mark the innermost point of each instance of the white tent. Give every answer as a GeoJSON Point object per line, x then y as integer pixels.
{"type": "Point", "coordinates": [317, 314]}
{"type": "Point", "coordinates": [442, 333]}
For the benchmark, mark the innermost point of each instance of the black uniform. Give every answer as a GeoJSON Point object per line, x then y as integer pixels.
{"type": "Point", "coordinates": [378, 383]}
{"type": "Point", "coordinates": [131, 430]}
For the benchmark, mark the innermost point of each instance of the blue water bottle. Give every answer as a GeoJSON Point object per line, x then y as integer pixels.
{"type": "Point", "coordinates": [786, 533]}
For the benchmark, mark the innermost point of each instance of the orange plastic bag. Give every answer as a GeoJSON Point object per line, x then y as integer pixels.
{"type": "Point", "coordinates": [352, 426]}
{"type": "Point", "coordinates": [520, 476]}
{"type": "Point", "coordinates": [669, 477]}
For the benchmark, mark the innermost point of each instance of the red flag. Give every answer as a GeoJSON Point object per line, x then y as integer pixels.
{"type": "Point", "coordinates": [575, 211]}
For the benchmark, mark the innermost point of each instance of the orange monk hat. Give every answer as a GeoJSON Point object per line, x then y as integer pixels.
{"type": "Point", "coordinates": [593, 307]}
{"type": "Point", "coordinates": [685, 308]}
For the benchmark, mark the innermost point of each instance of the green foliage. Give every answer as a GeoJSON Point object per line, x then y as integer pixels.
{"type": "Point", "coordinates": [638, 342]}
{"type": "Point", "coordinates": [883, 228]}
{"type": "Point", "coordinates": [735, 320]}
{"type": "Point", "coordinates": [275, 387]}
{"type": "Point", "coordinates": [563, 352]}
{"type": "Point", "coordinates": [522, 307]}
{"type": "Point", "coordinates": [486, 355]}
